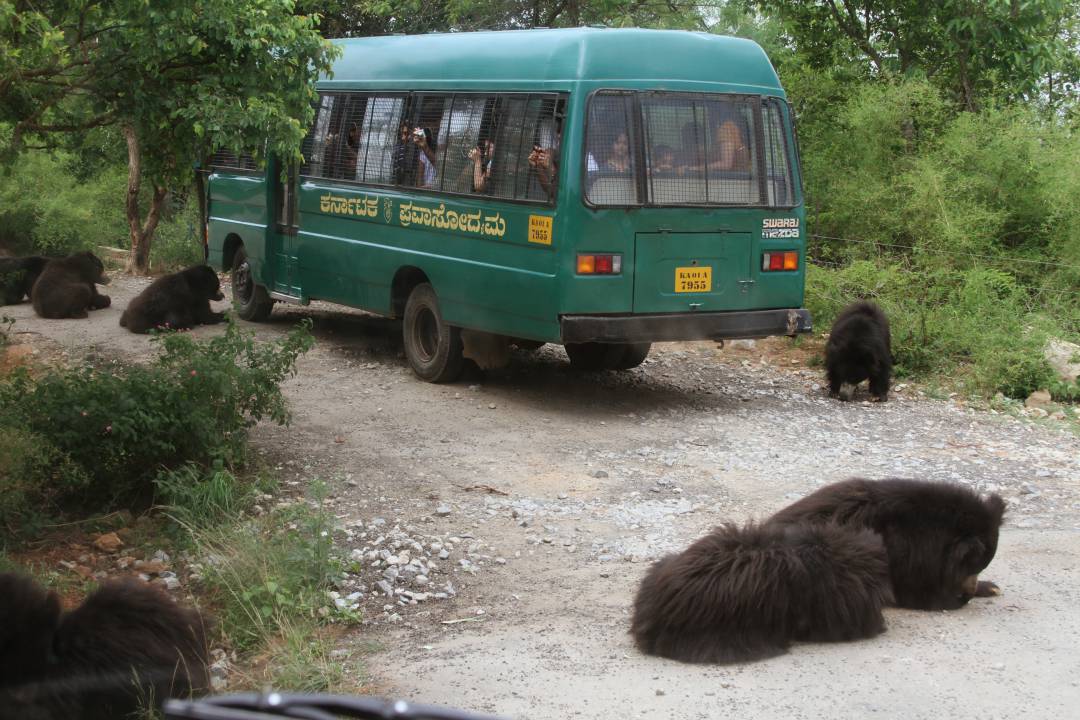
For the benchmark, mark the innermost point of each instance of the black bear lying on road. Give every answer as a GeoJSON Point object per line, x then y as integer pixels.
{"type": "Point", "coordinates": [177, 301]}
{"type": "Point", "coordinates": [820, 569]}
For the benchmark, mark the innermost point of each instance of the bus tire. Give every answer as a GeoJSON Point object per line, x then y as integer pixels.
{"type": "Point", "coordinates": [633, 355]}
{"type": "Point", "coordinates": [251, 300]}
{"type": "Point", "coordinates": [591, 356]}
{"type": "Point", "coordinates": [433, 348]}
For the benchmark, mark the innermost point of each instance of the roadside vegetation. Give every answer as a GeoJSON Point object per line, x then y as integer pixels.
{"type": "Point", "coordinates": [156, 457]}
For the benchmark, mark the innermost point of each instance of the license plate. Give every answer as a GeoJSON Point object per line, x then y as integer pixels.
{"type": "Point", "coordinates": [693, 279]}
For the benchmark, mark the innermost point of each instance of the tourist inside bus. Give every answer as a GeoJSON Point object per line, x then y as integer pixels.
{"type": "Point", "coordinates": [404, 161]}
{"type": "Point", "coordinates": [545, 160]}
{"type": "Point", "coordinates": [424, 139]}
{"type": "Point", "coordinates": [662, 159]}
{"type": "Point", "coordinates": [482, 156]}
{"type": "Point", "coordinates": [728, 149]}
{"type": "Point", "coordinates": [616, 161]}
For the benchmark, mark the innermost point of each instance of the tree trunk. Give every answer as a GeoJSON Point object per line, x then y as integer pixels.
{"type": "Point", "coordinates": [141, 233]}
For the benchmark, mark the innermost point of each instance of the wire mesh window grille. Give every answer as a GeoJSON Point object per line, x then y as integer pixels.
{"type": "Point", "coordinates": [499, 145]}
{"type": "Point", "coordinates": [695, 149]}
{"type": "Point", "coordinates": [777, 165]}
{"type": "Point", "coordinates": [610, 147]}
{"type": "Point", "coordinates": [225, 160]}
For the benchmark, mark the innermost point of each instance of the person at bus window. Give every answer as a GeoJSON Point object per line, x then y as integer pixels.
{"type": "Point", "coordinates": [350, 152]}
{"type": "Point", "coordinates": [663, 160]}
{"type": "Point", "coordinates": [424, 140]}
{"type": "Point", "coordinates": [729, 148]}
{"type": "Point", "coordinates": [482, 156]}
{"type": "Point", "coordinates": [545, 161]}
{"type": "Point", "coordinates": [404, 162]}
{"type": "Point", "coordinates": [618, 158]}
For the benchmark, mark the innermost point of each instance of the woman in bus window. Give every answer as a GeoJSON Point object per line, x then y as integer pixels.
{"type": "Point", "coordinates": [617, 160]}
{"type": "Point", "coordinates": [728, 145]}
{"type": "Point", "coordinates": [424, 140]}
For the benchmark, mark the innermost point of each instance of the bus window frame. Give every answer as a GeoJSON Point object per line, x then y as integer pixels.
{"type": "Point", "coordinates": [639, 152]}
{"type": "Point", "coordinates": [410, 109]}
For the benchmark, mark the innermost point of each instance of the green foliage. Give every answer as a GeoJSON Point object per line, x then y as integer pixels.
{"type": "Point", "coordinates": [119, 426]}
{"type": "Point", "coordinates": [33, 471]}
{"type": "Point", "coordinates": [197, 497]}
{"type": "Point", "coordinates": [272, 571]}
{"type": "Point", "coordinates": [45, 208]}
{"type": "Point", "coordinates": [178, 240]}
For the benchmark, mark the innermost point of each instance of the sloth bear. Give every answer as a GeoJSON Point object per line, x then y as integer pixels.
{"type": "Point", "coordinates": [17, 277]}
{"type": "Point", "coordinates": [820, 569]}
{"type": "Point", "coordinates": [65, 288]}
{"type": "Point", "coordinates": [180, 300]}
{"type": "Point", "coordinates": [742, 594]}
{"type": "Point", "coordinates": [859, 347]}
{"type": "Point", "coordinates": [938, 536]}
{"type": "Point", "coordinates": [127, 647]}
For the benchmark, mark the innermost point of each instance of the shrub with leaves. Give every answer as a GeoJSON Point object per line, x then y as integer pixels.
{"type": "Point", "coordinates": [120, 426]}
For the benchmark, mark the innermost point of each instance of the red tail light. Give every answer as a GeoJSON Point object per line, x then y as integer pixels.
{"type": "Point", "coordinates": [599, 264]}
{"type": "Point", "coordinates": [784, 260]}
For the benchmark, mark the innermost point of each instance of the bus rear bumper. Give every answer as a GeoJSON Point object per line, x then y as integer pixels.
{"type": "Point", "coordinates": [684, 326]}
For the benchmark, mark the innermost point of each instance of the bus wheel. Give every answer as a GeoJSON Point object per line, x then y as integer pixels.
{"type": "Point", "coordinates": [595, 356]}
{"type": "Point", "coordinates": [633, 355]}
{"type": "Point", "coordinates": [432, 347]}
{"type": "Point", "coordinates": [252, 301]}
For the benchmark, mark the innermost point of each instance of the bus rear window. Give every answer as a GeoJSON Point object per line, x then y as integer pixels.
{"type": "Point", "coordinates": [675, 149]}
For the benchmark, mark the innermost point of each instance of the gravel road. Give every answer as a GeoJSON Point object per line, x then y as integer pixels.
{"type": "Point", "coordinates": [530, 501]}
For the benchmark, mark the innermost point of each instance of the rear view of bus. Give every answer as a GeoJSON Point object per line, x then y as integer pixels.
{"type": "Point", "coordinates": [691, 222]}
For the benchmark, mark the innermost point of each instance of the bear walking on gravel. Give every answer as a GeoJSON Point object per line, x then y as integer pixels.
{"type": "Point", "coordinates": [180, 300]}
{"type": "Point", "coordinates": [65, 288]}
{"type": "Point", "coordinates": [17, 277]}
{"type": "Point", "coordinates": [859, 348]}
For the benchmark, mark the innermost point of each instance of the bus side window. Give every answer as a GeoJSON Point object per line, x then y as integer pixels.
{"type": "Point", "coordinates": [314, 146]}
{"type": "Point", "coordinates": [379, 137]}
{"type": "Point", "coordinates": [463, 147]}
{"type": "Point", "coordinates": [343, 145]}
{"type": "Point", "coordinates": [609, 153]}
{"type": "Point", "coordinates": [424, 137]}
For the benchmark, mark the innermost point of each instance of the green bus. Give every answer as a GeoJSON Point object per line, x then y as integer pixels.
{"type": "Point", "coordinates": [602, 189]}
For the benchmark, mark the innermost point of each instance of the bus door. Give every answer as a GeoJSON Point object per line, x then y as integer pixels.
{"type": "Point", "coordinates": [283, 244]}
{"type": "Point", "coordinates": [687, 272]}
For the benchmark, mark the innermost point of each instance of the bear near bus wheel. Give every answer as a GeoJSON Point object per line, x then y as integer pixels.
{"type": "Point", "coordinates": [433, 348]}
{"type": "Point", "coordinates": [593, 356]}
{"type": "Point", "coordinates": [252, 301]}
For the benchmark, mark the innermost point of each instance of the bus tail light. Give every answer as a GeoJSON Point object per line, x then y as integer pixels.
{"type": "Point", "coordinates": [786, 260]}
{"type": "Point", "coordinates": [599, 264]}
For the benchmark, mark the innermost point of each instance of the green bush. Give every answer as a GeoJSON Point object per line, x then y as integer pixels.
{"type": "Point", "coordinates": [122, 425]}
{"type": "Point", "coordinates": [177, 241]}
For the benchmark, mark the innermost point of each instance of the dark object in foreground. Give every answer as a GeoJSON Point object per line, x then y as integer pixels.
{"type": "Point", "coordinates": [126, 648]}
{"type": "Point", "coordinates": [17, 277]}
{"type": "Point", "coordinates": [311, 707]}
{"type": "Point", "coordinates": [65, 288]}
{"type": "Point", "coordinates": [178, 301]}
{"type": "Point", "coordinates": [859, 348]}
{"type": "Point", "coordinates": [939, 536]}
{"type": "Point", "coordinates": [741, 594]}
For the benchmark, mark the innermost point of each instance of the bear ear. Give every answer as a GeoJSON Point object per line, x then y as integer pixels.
{"type": "Point", "coordinates": [995, 505]}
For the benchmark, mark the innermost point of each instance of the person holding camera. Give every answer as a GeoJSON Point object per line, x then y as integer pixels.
{"type": "Point", "coordinates": [482, 156]}
{"type": "Point", "coordinates": [424, 140]}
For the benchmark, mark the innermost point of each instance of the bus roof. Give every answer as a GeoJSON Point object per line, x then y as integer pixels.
{"type": "Point", "coordinates": [535, 59]}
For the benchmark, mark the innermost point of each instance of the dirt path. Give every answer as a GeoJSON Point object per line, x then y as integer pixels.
{"type": "Point", "coordinates": [531, 500]}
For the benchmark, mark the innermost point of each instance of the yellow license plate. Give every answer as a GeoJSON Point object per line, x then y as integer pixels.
{"type": "Point", "coordinates": [693, 279]}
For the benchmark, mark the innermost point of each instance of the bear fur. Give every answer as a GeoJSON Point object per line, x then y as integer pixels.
{"type": "Point", "coordinates": [859, 348]}
{"type": "Point", "coordinates": [17, 277]}
{"type": "Point", "coordinates": [180, 300]}
{"type": "Point", "coordinates": [741, 594]}
{"type": "Point", "coordinates": [65, 288]}
{"type": "Point", "coordinates": [126, 648]}
{"type": "Point", "coordinates": [938, 536]}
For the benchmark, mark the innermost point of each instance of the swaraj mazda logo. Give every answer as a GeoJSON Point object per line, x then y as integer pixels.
{"type": "Point", "coordinates": [779, 228]}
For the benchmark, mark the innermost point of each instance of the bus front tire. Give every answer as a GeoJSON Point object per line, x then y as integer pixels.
{"type": "Point", "coordinates": [433, 348]}
{"type": "Point", "coordinates": [251, 299]}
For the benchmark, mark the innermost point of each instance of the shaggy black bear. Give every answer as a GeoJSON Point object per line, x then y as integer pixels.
{"type": "Point", "coordinates": [820, 569]}
{"type": "Point", "coordinates": [178, 301]}
{"type": "Point", "coordinates": [741, 594]}
{"type": "Point", "coordinates": [859, 348]}
{"type": "Point", "coordinates": [126, 648]}
{"type": "Point", "coordinates": [938, 536]}
{"type": "Point", "coordinates": [17, 277]}
{"type": "Point", "coordinates": [65, 288]}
